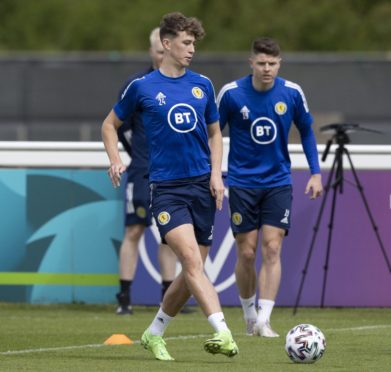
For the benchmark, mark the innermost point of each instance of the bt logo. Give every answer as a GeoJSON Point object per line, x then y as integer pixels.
{"type": "Point", "coordinates": [263, 131]}
{"type": "Point", "coordinates": [182, 118]}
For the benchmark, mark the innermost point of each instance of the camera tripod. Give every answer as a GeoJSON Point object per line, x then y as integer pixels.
{"type": "Point", "coordinates": [335, 181]}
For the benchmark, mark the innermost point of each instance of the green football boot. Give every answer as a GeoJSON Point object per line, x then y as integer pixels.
{"type": "Point", "coordinates": [222, 343]}
{"type": "Point", "coordinates": [156, 345]}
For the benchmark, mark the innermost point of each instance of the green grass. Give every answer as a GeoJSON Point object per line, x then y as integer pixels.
{"type": "Point", "coordinates": [70, 338]}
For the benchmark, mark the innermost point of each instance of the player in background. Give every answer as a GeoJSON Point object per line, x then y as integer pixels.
{"type": "Point", "coordinates": [180, 117]}
{"type": "Point", "coordinates": [259, 110]}
{"type": "Point", "coordinates": [137, 197]}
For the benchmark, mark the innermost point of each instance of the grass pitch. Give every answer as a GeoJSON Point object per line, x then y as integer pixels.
{"type": "Point", "coordinates": [71, 337]}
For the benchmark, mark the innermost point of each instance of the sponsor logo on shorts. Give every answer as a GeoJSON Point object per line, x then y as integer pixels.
{"type": "Point", "coordinates": [141, 212]}
{"type": "Point", "coordinates": [211, 234]}
{"type": "Point", "coordinates": [236, 218]}
{"type": "Point", "coordinates": [197, 92]}
{"type": "Point", "coordinates": [286, 216]}
{"type": "Point", "coordinates": [164, 218]}
{"type": "Point", "coordinates": [280, 108]}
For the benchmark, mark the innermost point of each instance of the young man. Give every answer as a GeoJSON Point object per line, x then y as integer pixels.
{"type": "Point", "coordinates": [181, 121]}
{"type": "Point", "coordinates": [137, 197]}
{"type": "Point", "coordinates": [260, 109]}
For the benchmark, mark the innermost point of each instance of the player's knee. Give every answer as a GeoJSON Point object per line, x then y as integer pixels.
{"type": "Point", "coordinates": [247, 256]}
{"type": "Point", "coordinates": [133, 233]}
{"type": "Point", "coordinates": [191, 262]}
{"type": "Point", "coordinates": [271, 251]}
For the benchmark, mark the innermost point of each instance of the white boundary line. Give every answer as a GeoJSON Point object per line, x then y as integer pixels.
{"type": "Point", "coordinates": [42, 350]}
{"type": "Point", "coordinates": [363, 328]}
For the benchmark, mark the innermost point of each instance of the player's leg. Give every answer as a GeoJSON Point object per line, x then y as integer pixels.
{"type": "Point", "coordinates": [269, 277]}
{"type": "Point", "coordinates": [185, 215]}
{"type": "Point", "coordinates": [128, 258]}
{"type": "Point", "coordinates": [246, 276]}
{"type": "Point", "coordinates": [168, 265]}
{"type": "Point", "coordinates": [137, 217]}
{"type": "Point", "coordinates": [193, 280]}
{"type": "Point", "coordinates": [177, 293]}
{"type": "Point", "coordinates": [244, 207]}
{"type": "Point", "coordinates": [275, 220]}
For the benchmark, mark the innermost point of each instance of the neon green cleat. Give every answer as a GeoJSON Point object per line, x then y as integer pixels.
{"type": "Point", "coordinates": [156, 345]}
{"type": "Point", "coordinates": [222, 343]}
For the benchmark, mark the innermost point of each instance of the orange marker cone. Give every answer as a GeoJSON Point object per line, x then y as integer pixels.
{"type": "Point", "coordinates": [118, 339]}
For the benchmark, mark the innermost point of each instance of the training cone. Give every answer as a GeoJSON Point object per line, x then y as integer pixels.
{"type": "Point", "coordinates": [118, 340]}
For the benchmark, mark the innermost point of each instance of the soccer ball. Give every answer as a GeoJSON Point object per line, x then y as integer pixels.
{"type": "Point", "coordinates": [305, 343]}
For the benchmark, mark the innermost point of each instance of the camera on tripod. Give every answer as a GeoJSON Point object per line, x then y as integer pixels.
{"type": "Point", "coordinates": [340, 134]}
{"type": "Point", "coordinates": [335, 181]}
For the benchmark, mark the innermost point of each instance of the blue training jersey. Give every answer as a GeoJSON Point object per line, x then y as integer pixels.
{"type": "Point", "coordinates": [132, 134]}
{"type": "Point", "coordinates": [259, 124]}
{"type": "Point", "coordinates": [175, 113]}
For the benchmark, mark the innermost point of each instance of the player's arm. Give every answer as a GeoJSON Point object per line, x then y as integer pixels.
{"type": "Point", "coordinates": [314, 185]}
{"type": "Point", "coordinates": [223, 105]}
{"type": "Point", "coordinates": [216, 151]}
{"type": "Point", "coordinates": [110, 140]}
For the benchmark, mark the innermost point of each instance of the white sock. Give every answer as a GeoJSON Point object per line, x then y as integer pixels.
{"type": "Point", "coordinates": [160, 323]}
{"type": "Point", "coordinates": [217, 321]}
{"type": "Point", "coordinates": [248, 306]}
{"type": "Point", "coordinates": [265, 308]}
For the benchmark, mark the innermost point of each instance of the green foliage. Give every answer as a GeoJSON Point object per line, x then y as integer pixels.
{"type": "Point", "coordinates": [124, 25]}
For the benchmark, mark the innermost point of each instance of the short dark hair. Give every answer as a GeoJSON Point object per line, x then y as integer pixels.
{"type": "Point", "coordinates": [266, 45]}
{"type": "Point", "coordinates": [173, 23]}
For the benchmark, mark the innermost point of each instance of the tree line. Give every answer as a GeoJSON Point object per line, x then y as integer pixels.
{"type": "Point", "coordinates": [231, 25]}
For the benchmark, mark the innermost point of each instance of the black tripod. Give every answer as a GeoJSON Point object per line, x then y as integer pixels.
{"type": "Point", "coordinates": [335, 181]}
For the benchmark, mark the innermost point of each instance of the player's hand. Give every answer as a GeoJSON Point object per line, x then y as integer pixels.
{"type": "Point", "coordinates": [314, 186]}
{"type": "Point", "coordinates": [115, 171]}
{"type": "Point", "coordinates": [217, 190]}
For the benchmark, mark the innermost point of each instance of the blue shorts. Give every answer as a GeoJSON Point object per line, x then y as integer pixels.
{"type": "Point", "coordinates": [137, 199]}
{"type": "Point", "coordinates": [184, 201]}
{"type": "Point", "coordinates": [251, 208]}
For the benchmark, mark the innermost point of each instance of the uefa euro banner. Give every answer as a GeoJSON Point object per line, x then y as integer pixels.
{"type": "Point", "coordinates": [61, 230]}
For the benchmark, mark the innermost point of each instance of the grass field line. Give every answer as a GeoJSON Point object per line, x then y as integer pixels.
{"type": "Point", "coordinates": [188, 337]}
{"type": "Point", "coordinates": [62, 348]}
{"type": "Point", "coordinates": [362, 328]}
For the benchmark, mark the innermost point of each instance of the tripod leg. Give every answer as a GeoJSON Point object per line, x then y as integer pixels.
{"type": "Point", "coordinates": [316, 228]}
{"type": "Point", "coordinates": [374, 226]}
{"type": "Point", "coordinates": [330, 226]}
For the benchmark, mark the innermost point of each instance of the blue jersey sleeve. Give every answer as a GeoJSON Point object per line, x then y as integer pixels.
{"type": "Point", "coordinates": [309, 146]}
{"type": "Point", "coordinates": [127, 105]}
{"type": "Point", "coordinates": [211, 112]}
{"type": "Point", "coordinates": [303, 121]}
{"type": "Point", "coordinates": [224, 106]}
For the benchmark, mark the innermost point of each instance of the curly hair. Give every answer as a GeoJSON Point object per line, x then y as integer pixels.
{"type": "Point", "coordinates": [173, 23]}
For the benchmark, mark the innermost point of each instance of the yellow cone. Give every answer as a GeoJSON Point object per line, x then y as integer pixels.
{"type": "Point", "coordinates": [118, 339]}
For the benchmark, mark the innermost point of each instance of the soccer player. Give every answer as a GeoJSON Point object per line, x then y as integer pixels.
{"type": "Point", "coordinates": [259, 110]}
{"type": "Point", "coordinates": [137, 199]}
{"type": "Point", "coordinates": [180, 116]}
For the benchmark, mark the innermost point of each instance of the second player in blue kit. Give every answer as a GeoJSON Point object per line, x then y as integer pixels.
{"type": "Point", "coordinates": [260, 109]}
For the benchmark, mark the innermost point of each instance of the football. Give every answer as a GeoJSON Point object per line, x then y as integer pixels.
{"type": "Point", "coordinates": [305, 343]}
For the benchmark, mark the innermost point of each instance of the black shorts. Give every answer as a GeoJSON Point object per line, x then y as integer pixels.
{"type": "Point", "coordinates": [137, 199]}
{"type": "Point", "coordinates": [251, 208]}
{"type": "Point", "coordinates": [184, 201]}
